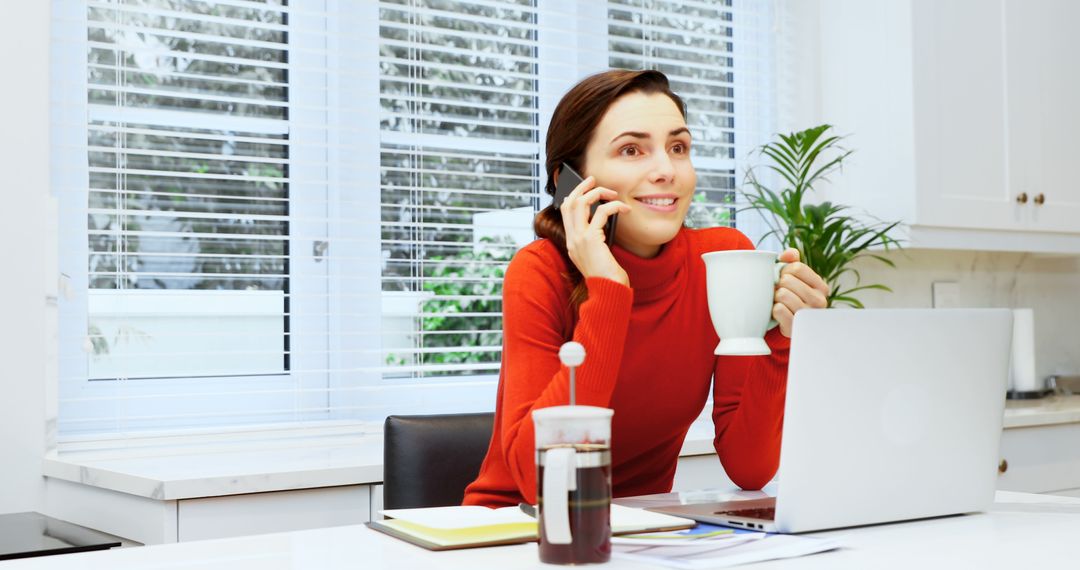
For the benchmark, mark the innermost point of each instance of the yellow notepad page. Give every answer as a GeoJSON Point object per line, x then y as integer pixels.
{"type": "Point", "coordinates": [465, 536]}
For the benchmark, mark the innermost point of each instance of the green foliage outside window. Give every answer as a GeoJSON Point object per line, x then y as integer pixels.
{"type": "Point", "coordinates": [453, 318]}
{"type": "Point", "coordinates": [702, 214]}
{"type": "Point", "coordinates": [480, 273]}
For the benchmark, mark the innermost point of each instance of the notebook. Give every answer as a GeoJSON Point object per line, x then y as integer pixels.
{"type": "Point", "coordinates": [447, 528]}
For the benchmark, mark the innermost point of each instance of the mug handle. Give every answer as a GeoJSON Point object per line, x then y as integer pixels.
{"type": "Point", "coordinates": [560, 477]}
{"type": "Point", "coordinates": [777, 268]}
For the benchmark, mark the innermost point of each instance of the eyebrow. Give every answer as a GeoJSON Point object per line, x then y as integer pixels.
{"type": "Point", "coordinates": [640, 135]}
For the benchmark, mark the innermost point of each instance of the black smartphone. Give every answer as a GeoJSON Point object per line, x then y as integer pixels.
{"type": "Point", "coordinates": [568, 180]}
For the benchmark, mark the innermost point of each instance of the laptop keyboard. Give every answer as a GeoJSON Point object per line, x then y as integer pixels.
{"type": "Point", "coordinates": [767, 513]}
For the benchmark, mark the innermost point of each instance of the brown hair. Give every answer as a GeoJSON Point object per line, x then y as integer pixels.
{"type": "Point", "coordinates": [571, 129]}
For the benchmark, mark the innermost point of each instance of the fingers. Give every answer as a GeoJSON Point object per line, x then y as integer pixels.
{"type": "Point", "coordinates": [804, 295]}
{"type": "Point", "coordinates": [577, 205]}
{"type": "Point", "coordinates": [570, 205]}
{"type": "Point", "coordinates": [585, 239]}
{"type": "Point", "coordinates": [784, 317]}
{"type": "Point", "coordinates": [604, 211]}
{"type": "Point", "coordinates": [799, 288]}
{"type": "Point", "coordinates": [805, 274]}
{"type": "Point", "coordinates": [588, 192]}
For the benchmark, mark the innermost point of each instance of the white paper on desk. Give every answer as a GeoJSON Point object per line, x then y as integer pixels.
{"type": "Point", "coordinates": [459, 517]}
{"type": "Point", "coordinates": [710, 555]}
{"type": "Point", "coordinates": [715, 541]}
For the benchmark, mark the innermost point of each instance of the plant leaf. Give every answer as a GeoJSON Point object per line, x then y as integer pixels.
{"type": "Point", "coordinates": [828, 240]}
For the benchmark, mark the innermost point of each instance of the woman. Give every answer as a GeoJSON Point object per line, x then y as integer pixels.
{"type": "Point", "coordinates": [638, 306]}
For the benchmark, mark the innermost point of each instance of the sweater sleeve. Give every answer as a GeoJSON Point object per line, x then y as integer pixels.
{"type": "Point", "coordinates": [534, 315]}
{"type": "Point", "coordinates": [748, 412]}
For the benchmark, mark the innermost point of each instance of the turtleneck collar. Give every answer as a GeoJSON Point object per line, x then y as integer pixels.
{"type": "Point", "coordinates": [659, 276]}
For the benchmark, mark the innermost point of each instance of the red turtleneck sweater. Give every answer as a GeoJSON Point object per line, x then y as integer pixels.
{"type": "Point", "coordinates": [649, 357]}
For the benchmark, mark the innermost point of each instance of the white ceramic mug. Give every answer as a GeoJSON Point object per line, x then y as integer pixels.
{"type": "Point", "coordinates": [740, 286]}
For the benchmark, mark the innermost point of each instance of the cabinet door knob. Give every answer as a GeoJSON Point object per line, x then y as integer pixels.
{"type": "Point", "coordinates": [1022, 198]}
{"type": "Point", "coordinates": [1039, 198]}
{"type": "Point", "coordinates": [1003, 466]}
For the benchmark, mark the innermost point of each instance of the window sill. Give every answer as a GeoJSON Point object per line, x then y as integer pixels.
{"type": "Point", "coordinates": [305, 459]}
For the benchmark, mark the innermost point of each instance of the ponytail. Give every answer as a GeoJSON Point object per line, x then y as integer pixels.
{"type": "Point", "coordinates": [548, 225]}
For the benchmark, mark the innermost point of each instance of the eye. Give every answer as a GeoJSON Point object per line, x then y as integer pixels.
{"type": "Point", "coordinates": [629, 150]}
{"type": "Point", "coordinates": [680, 148]}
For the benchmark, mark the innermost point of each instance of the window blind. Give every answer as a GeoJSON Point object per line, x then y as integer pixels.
{"type": "Point", "coordinates": [188, 202]}
{"type": "Point", "coordinates": [249, 239]}
{"type": "Point", "coordinates": [459, 168]}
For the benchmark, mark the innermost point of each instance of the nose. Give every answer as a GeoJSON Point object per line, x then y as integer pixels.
{"type": "Point", "coordinates": [663, 169]}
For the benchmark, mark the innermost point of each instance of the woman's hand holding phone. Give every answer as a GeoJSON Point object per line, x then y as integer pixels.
{"type": "Point", "coordinates": [585, 240]}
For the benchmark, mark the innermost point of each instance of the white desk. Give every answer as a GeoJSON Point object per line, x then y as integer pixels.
{"type": "Point", "coordinates": [1020, 531]}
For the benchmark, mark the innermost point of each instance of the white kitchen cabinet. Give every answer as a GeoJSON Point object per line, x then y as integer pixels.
{"type": "Point", "coordinates": [1043, 86]}
{"type": "Point", "coordinates": [959, 112]}
{"type": "Point", "coordinates": [279, 511]}
{"type": "Point", "coordinates": [157, 521]}
{"type": "Point", "coordinates": [1041, 459]}
{"type": "Point", "coordinates": [140, 519]}
{"type": "Point", "coordinates": [962, 116]}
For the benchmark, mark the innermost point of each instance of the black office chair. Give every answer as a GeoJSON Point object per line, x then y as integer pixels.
{"type": "Point", "coordinates": [429, 460]}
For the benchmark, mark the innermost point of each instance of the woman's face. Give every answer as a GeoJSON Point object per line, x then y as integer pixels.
{"type": "Point", "coordinates": [641, 149]}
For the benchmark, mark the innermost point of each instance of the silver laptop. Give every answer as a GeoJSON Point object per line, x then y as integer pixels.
{"type": "Point", "coordinates": [891, 415]}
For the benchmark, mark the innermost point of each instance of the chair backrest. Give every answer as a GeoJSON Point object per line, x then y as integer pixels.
{"type": "Point", "coordinates": [429, 460]}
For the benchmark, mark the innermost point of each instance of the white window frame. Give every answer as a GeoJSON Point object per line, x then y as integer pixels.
{"type": "Point", "coordinates": [100, 398]}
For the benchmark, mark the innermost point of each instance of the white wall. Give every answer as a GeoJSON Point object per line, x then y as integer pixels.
{"type": "Point", "coordinates": [27, 254]}
{"type": "Point", "coordinates": [1046, 283]}
{"type": "Point", "coordinates": [798, 64]}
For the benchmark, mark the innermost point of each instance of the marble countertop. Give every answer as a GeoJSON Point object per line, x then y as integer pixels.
{"type": "Point", "coordinates": [220, 468]}
{"type": "Point", "coordinates": [1045, 411]}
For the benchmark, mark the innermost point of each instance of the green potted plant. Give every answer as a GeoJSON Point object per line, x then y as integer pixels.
{"type": "Point", "coordinates": [828, 239]}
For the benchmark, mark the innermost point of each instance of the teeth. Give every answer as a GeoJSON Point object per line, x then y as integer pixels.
{"type": "Point", "coordinates": [659, 201]}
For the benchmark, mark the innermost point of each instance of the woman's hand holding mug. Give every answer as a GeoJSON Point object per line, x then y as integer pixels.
{"type": "Point", "coordinates": [798, 288]}
{"type": "Point", "coordinates": [584, 237]}
{"type": "Point", "coordinates": [745, 287]}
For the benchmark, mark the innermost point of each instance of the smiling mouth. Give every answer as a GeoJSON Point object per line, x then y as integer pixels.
{"type": "Point", "coordinates": [659, 202]}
